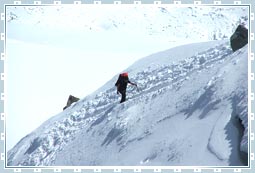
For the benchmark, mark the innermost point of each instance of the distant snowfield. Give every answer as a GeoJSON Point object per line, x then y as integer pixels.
{"type": "Point", "coordinates": [191, 109]}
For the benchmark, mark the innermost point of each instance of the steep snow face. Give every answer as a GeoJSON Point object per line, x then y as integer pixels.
{"type": "Point", "coordinates": [190, 109]}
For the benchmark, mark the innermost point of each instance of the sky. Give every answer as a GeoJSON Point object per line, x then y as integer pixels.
{"type": "Point", "coordinates": [55, 51]}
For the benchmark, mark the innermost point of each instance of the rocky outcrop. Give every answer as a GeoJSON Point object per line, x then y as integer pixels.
{"type": "Point", "coordinates": [239, 38]}
{"type": "Point", "coordinates": [71, 99]}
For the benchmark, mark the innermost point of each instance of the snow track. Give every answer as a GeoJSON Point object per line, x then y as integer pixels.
{"type": "Point", "coordinates": [85, 115]}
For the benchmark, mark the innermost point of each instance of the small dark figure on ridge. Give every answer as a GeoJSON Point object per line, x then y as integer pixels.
{"type": "Point", "coordinates": [121, 85]}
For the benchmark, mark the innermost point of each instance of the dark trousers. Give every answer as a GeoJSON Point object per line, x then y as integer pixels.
{"type": "Point", "coordinates": [123, 96]}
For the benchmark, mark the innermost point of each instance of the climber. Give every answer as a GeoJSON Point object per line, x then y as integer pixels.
{"type": "Point", "coordinates": [121, 85]}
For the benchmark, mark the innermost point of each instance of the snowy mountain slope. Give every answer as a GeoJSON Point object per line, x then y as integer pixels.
{"type": "Point", "coordinates": [161, 23]}
{"type": "Point", "coordinates": [52, 34]}
{"type": "Point", "coordinates": [191, 110]}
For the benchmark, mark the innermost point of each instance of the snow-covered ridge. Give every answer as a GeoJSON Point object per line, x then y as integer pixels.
{"type": "Point", "coordinates": [187, 107]}
{"type": "Point", "coordinates": [200, 23]}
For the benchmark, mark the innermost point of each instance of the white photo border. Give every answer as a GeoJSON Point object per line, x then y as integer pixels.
{"type": "Point", "coordinates": [251, 86]}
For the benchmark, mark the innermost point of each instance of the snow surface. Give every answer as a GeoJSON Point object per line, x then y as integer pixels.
{"type": "Point", "coordinates": [78, 37]}
{"type": "Point", "coordinates": [147, 21]}
{"type": "Point", "coordinates": [190, 110]}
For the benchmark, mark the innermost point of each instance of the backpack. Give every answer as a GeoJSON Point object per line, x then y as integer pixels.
{"type": "Point", "coordinates": [123, 78]}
